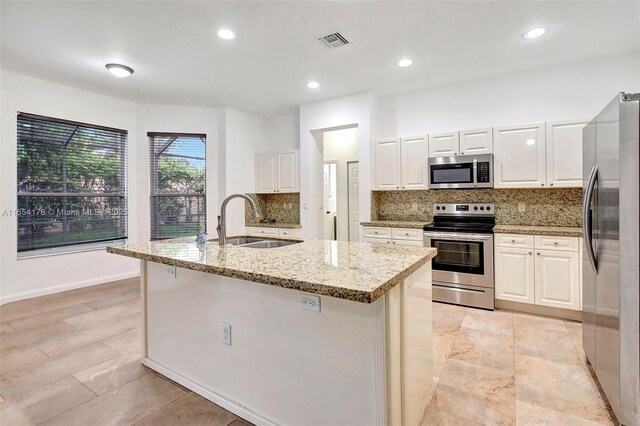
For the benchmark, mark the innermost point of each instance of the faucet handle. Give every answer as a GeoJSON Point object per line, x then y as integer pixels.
{"type": "Point", "coordinates": [219, 227]}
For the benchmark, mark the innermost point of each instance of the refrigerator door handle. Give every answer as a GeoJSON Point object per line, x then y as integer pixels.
{"type": "Point", "coordinates": [587, 225]}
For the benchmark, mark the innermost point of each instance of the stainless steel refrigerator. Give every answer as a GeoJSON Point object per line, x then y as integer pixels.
{"type": "Point", "coordinates": [611, 223]}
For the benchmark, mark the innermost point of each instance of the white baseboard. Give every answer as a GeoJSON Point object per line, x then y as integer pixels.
{"type": "Point", "coordinates": [225, 403]}
{"type": "Point", "coordinates": [57, 289]}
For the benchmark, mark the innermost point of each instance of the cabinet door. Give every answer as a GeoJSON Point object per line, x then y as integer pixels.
{"type": "Point", "coordinates": [266, 168]}
{"type": "Point", "coordinates": [386, 163]}
{"type": "Point", "coordinates": [476, 141]}
{"type": "Point", "coordinates": [444, 144]}
{"type": "Point", "coordinates": [414, 154]}
{"type": "Point", "coordinates": [514, 274]}
{"type": "Point", "coordinates": [564, 153]}
{"type": "Point", "coordinates": [288, 171]}
{"type": "Point", "coordinates": [519, 160]}
{"type": "Point", "coordinates": [557, 279]}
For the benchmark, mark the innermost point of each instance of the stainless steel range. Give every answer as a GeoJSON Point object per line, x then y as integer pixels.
{"type": "Point", "coordinates": [463, 267]}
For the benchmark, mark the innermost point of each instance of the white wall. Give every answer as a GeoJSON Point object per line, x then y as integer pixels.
{"type": "Point", "coordinates": [341, 146]}
{"type": "Point", "coordinates": [245, 135]}
{"type": "Point", "coordinates": [314, 119]}
{"type": "Point", "coordinates": [283, 132]}
{"type": "Point", "coordinates": [31, 277]}
{"type": "Point", "coordinates": [569, 91]}
{"type": "Point", "coordinates": [177, 119]}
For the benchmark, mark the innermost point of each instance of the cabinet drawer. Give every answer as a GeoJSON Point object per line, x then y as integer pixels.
{"type": "Point", "coordinates": [407, 243]}
{"type": "Point", "coordinates": [514, 240]}
{"type": "Point", "coordinates": [406, 234]}
{"type": "Point", "coordinates": [265, 231]}
{"type": "Point", "coordinates": [376, 240]}
{"type": "Point", "coordinates": [375, 232]}
{"type": "Point", "coordinates": [285, 232]}
{"type": "Point", "coordinates": [545, 242]}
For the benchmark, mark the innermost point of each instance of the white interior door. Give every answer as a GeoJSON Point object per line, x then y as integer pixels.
{"type": "Point", "coordinates": [353, 173]}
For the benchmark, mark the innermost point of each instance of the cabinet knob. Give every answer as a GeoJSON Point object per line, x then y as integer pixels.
{"type": "Point", "coordinates": [542, 184]}
{"type": "Point", "coordinates": [555, 243]}
{"type": "Point", "coordinates": [397, 187]}
{"type": "Point", "coordinates": [538, 253]}
{"type": "Point", "coordinates": [550, 184]}
{"type": "Point", "coordinates": [455, 153]}
{"type": "Point", "coordinates": [530, 253]}
{"type": "Point", "coordinates": [513, 241]}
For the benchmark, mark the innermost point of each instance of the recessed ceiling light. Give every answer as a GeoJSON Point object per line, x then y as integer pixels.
{"type": "Point", "coordinates": [119, 70]}
{"type": "Point", "coordinates": [313, 85]}
{"type": "Point", "coordinates": [531, 141]}
{"type": "Point", "coordinates": [405, 62]}
{"type": "Point", "coordinates": [535, 33]}
{"type": "Point", "coordinates": [226, 34]}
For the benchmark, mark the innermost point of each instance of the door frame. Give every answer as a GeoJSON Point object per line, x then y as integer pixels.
{"type": "Point", "coordinates": [349, 201]}
{"type": "Point", "coordinates": [336, 222]}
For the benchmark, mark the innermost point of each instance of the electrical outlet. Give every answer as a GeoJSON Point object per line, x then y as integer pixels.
{"type": "Point", "coordinates": [522, 207]}
{"type": "Point", "coordinates": [226, 334]}
{"type": "Point", "coordinates": [171, 271]}
{"type": "Point", "coordinates": [414, 207]}
{"type": "Point", "coordinates": [309, 302]}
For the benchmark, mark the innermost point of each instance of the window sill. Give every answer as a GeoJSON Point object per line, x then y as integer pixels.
{"type": "Point", "coordinates": [57, 251]}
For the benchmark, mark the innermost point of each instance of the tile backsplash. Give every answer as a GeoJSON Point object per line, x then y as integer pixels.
{"type": "Point", "coordinates": [542, 207]}
{"type": "Point", "coordinates": [282, 207]}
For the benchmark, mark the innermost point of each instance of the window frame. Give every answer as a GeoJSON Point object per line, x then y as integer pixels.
{"type": "Point", "coordinates": [153, 180]}
{"type": "Point", "coordinates": [77, 246]}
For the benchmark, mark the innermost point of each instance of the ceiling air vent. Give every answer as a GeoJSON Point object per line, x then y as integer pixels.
{"type": "Point", "coordinates": [333, 40]}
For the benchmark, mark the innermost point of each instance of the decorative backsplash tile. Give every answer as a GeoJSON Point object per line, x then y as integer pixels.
{"type": "Point", "coordinates": [542, 207]}
{"type": "Point", "coordinates": [283, 208]}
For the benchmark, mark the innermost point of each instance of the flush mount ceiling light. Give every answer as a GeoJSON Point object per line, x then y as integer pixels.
{"type": "Point", "coordinates": [405, 62]}
{"type": "Point", "coordinates": [119, 70]}
{"type": "Point", "coordinates": [531, 141]}
{"type": "Point", "coordinates": [226, 34]}
{"type": "Point", "coordinates": [535, 33]}
{"type": "Point", "coordinates": [313, 85]}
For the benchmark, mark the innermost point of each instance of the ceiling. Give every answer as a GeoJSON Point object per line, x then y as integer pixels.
{"type": "Point", "coordinates": [178, 59]}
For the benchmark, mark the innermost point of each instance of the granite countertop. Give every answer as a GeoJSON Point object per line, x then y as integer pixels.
{"type": "Point", "coordinates": [395, 224]}
{"type": "Point", "coordinates": [560, 231]}
{"type": "Point", "coordinates": [353, 271]}
{"type": "Point", "coordinates": [275, 225]}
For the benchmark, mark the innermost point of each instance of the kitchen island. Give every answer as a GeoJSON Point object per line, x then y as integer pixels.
{"type": "Point", "coordinates": [316, 332]}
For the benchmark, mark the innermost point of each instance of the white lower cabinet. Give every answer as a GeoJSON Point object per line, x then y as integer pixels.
{"type": "Point", "coordinates": [546, 272]}
{"type": "Point", "coordinates": [557, 279]}
{"type": "Point", "coordinates": [396, 236]}
{"type": "Point", "coordinates": [514, 274]}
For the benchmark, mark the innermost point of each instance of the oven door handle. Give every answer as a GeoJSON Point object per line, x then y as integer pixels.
{"type": "Point", "coordinates": [461, 237]}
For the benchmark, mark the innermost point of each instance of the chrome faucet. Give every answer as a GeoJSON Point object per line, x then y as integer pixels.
{"type": "Point", "coordinates": [222, 225]}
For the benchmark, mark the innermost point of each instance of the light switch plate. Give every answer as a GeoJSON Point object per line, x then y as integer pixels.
{"type": "Point", "coordinates": [414, 207]}
{"type": "Point", "coordinates": [522, 207]}
{"type": "Point", "coordinates": [309, 302]}
{"type": "Point", "coordinates": [226, 334]}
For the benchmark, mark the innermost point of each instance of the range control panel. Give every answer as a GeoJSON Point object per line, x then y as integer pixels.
{"type": "Point", "coordinates": [469, 209]}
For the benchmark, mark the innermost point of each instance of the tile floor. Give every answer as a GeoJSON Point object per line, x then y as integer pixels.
{"type": "Point", "coordinates": [73, 358]}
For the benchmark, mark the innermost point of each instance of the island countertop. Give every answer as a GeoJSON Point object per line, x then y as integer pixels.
{"type": "Point", "coordinates": [360, 272]}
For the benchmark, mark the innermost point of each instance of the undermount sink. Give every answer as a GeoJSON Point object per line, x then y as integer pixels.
{"type": "Point", "coordinates": [242, 241]}
{"type": "Point", "coordinates": [258, 242]}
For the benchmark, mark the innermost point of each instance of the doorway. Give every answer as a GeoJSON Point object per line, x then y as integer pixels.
{"type": "Point", "coordinates": [340, 172]}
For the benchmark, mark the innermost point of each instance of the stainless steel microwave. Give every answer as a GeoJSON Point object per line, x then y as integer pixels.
{"type": "Point", "coordinates": [461, 171]}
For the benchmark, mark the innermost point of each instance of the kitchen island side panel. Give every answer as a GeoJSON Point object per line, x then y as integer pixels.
{"type": "Point", "coordinates": [286, 365]}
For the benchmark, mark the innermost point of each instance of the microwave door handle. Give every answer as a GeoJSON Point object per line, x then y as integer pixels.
{"type": "Point", "coordinates": [587, 223]}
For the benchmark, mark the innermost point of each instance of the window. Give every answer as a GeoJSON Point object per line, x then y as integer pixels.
{"type": "Point", "coordinates": [177, 165]}
{"type": "Point", "coordinates": [71, 183]}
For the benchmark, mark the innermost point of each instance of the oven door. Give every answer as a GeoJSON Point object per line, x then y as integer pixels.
{"type": "Point", "coordinates": [462, 258]}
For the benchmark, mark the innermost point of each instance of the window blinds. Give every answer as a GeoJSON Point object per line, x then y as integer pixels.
{"type": "Point", "coordinates": [177, 163]}
{"type": "Point", "coordinates": [71, 183]}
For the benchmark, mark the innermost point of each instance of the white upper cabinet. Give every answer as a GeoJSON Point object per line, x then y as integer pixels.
{"type": "Point", "coordinates": [288, 171]}
{"type": "Point", "coordinates": [387, 163]}
{"type": "Point", "coordinates": [476, 141]}
{"type": "Point", "coordinates": [266, 169]}
{"type": "Point", "coordinates": [414, 152]}
{"type": "Point", "coordinates": [277, 172]}
{"type": "Point", "coordinates": [564, 153]}
{"type": "Point", "coordinates": [519, 156]}
{"type": "Point", "coordinates": [444, 144]}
